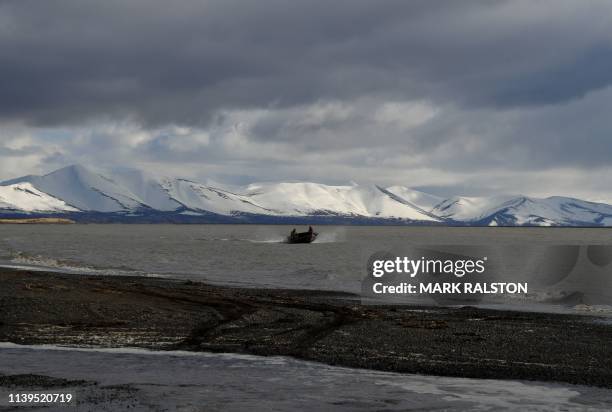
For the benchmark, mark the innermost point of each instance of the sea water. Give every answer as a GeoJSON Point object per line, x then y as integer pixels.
{"type": "Point", "coordinates": [257, 255]}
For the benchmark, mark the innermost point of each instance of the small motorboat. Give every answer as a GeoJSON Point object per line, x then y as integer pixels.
{"type": "Point", "coordinates": [303, 237]}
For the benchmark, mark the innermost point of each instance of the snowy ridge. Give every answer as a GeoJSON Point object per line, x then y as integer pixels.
{"type": "Point", "coordinates": [525, 211]}
{"type": "Point", "coordinates": [133, 191]}
{"type": "Point", "coordinates": [471, 208]}
{"type": "Point", "coordinates": [83, 189]}
{"type": "Point", "coordinates": [25, 197]}
{"type": "Point", "coordinates": [303, 199]}
{"type": "Point", "coordinates": [76, 189]}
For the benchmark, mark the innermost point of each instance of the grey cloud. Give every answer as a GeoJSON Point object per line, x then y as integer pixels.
{"type": "Point", "coordinates": [62, 62]}
{"type": "Point", "coordinates": [488, 95]}
{"type": "Point", "coordinates": [22, 151]}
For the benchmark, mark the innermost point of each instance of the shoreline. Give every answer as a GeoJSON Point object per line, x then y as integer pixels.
{"type": "Point", "coordinates": [328, 327]}
{"type": "Point", "coordinates": [37, 221]}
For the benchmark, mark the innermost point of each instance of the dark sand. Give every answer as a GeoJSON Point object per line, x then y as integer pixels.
{"type": "Point", "coordinates": [333, 328]}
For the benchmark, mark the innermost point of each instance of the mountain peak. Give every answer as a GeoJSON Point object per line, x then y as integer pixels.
{"type": "Point", "coordinates": [131, 192]}
{"type": "Point", "coordinates": [74, 169]}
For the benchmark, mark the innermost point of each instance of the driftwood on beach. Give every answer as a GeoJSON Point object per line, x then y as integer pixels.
{"type": "Point", "coordinates": [52, 308]}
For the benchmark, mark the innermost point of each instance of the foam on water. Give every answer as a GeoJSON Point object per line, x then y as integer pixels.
{"type": "Point", "coordinates": [330, 237]}
{"type": "Point", "coordinates": [21, 260]}
{"type": "Point", "coordinates": [276, 239]}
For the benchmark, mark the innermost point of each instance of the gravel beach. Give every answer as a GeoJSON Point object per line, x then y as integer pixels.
{"type": "Point", "coordinates": [333, 328]}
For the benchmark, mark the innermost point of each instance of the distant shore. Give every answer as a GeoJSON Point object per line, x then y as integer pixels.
{"type": "Point", "coordinates": [38, 220]}
{"type": "Point", "coordinates": [54, 308]}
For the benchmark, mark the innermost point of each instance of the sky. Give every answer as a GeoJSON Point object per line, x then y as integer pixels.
{"type": "Point", "coordinates": [450, 97]}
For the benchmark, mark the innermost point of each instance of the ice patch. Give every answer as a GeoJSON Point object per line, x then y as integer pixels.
{"type": "Point", "coordinates": [171, 380]}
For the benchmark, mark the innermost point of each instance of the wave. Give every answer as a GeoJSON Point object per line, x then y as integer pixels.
{"type": "Point", "coordinates": [594, 309]}
{"type": "Point", "coordinates": [324, 237]}
{"type": "Point", "coordinates": [21, 260]}
{"type": "Point", "coordinates": [276, 239]}
{"type": "Point", "coordinates": [337, 235]}
{"type": "Point", "coordinates": [330, 237]}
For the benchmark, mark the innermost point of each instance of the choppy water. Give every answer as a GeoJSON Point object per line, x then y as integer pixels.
{"type": "Point", "coordinates": [226, 382]}
{"type": "Point", "coordinates": [255, 255]}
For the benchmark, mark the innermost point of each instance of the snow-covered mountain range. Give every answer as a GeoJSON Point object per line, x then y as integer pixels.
{"type": "Point", "coordinates": [85, 195]}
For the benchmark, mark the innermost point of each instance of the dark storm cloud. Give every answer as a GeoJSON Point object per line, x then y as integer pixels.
{"type": "Point", "coordinates": [158, 62]}
{"type": "Point", "coordinates": [479, 96]}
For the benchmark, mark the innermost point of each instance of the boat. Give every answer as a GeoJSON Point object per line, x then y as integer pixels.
{"type": "Point", "coordinates": [303, 237]}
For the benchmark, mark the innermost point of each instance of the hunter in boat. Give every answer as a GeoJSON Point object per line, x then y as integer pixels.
{"type": "Point", "coordinates": [304, 237]}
